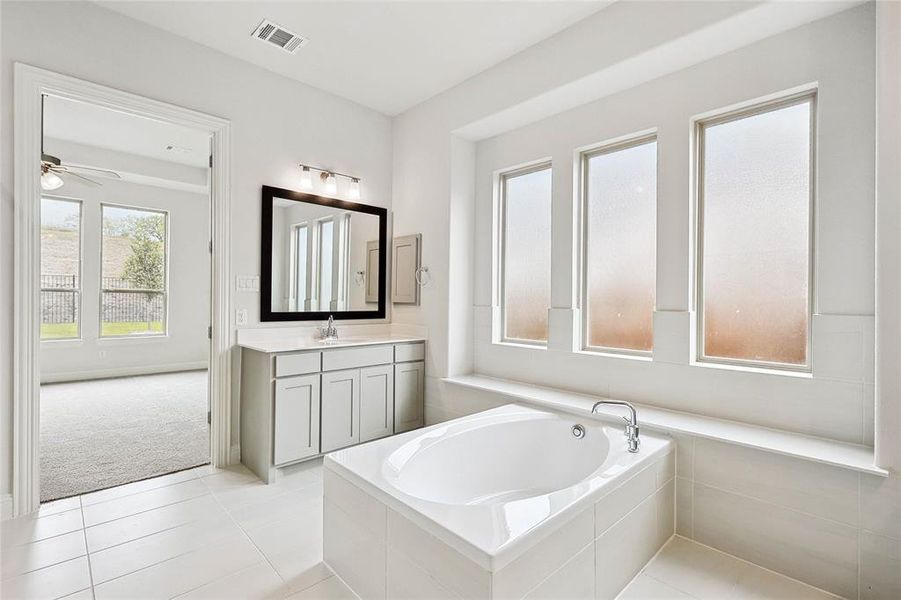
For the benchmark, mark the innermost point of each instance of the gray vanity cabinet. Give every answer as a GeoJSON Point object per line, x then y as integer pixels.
{"type": "Point", "coordinates": [299, 404]}
{"type": "Point", "coordinates": [409, 383]}
{"type": "Point", "coordinates": [296, 418]}
{"type": "Point", "coordinates": [376, 402]}
{"type": "Point", "coordinates": [340, 409]}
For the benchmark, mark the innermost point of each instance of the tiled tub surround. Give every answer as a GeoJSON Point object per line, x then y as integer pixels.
{"type": "Point", "coordinates": [503, 504]}
{"type": "Point", "coordinates": [824, 525]}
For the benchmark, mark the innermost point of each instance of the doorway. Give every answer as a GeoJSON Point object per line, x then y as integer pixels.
{"type": "Point", "coordinates": [124, 298]}
{"type": "Point", "coordinates": [31, 85]}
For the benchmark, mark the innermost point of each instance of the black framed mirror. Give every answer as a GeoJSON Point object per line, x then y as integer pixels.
{"type": "Point", "coordinates": [321, 256]}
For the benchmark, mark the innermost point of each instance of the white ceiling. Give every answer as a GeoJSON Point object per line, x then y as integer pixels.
{"type": "Point", "coordinates": [389, 56]}
{"type": "Point", "coordinates": [100, 127]}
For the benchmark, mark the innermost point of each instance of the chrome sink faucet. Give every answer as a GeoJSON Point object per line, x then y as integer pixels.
{"type": "Point", "coordinates": [329, 331]}
{"type": "Point", "coordinates": [631, 431]}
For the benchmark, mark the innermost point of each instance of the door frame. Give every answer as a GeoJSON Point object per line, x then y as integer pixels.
{"type": "Point", "coordinates": [31, 84]}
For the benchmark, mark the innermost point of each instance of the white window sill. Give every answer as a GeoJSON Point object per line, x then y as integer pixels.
{"type": "Point", "coordinates": [63, 341]}
{"type": "Point", "coordinates": [520, 345]}
{"type": "Point", "coordinates": [830, 452]}
{"type": "Point", "coordinates": [750, 368]}
{"type": "Point", "coordinates": [610, 354]}
{"type": "Point", "coordinates": [137, 339]}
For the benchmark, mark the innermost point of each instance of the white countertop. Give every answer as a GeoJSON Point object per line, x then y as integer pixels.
{"type": "Point", "coordinates": [297, 343]}
{"type": "Point", "coordinates": [830, 452]}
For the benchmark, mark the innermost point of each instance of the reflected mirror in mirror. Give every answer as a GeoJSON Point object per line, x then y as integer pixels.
{"type": "Point", "coordinates": [325, 257]}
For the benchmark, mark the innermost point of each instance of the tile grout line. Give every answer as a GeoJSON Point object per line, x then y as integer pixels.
{"type": "Point", "coordinates": [84, 535]}
{"type": "Point", "coordinates": [747, 562]}
{"type": "Point", "coordinates": [129, 495]}
{"type": "Point", "coordinates": [287, 590]}
{"type": "Point", "coordinates": [782, 506]}
{"type": "Point", "coordinates": [141, 512]}
{"type": "Point", "coordinates": [859, 529]}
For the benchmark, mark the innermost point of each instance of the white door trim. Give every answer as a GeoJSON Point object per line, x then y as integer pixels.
{"type": "Point", "coordinates": [30, 84]}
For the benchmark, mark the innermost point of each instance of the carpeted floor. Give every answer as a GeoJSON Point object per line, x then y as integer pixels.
{"type": "Point", "coordinates": [97, 434]}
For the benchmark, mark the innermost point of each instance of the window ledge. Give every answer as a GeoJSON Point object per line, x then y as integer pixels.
{"type": "Point", "coordinates": [751, 368]}
{"type": "Point", "coordinates": [838, 454]}
{"type": "Point", "coordinates": [520, 345]}
{"type": "Point", "coordinates": [137, 339]}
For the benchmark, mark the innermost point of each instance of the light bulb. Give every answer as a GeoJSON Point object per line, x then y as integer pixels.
{"type": "Point", "coordinates": [51, 181]}
{"type": "Point", "coordinates": [354, 191]}
{"type": "Point", "coordinates": [306, 180]}
{"type": "Point", "coordinates": [331, 184]}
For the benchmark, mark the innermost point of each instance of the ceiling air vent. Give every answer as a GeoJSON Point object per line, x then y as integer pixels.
{"type": "Point", "coordinates": [277, 35]}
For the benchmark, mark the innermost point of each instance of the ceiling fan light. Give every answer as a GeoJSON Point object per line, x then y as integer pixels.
{"type": "Point", "coordinates": [354, 191]}
{"type": "Point", "coordinates": [306, 179]}
{"type": "Point", "coordinates": [51, 181]}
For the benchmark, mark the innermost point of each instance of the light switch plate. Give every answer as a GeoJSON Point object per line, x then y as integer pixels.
{"type": "Point", "coordinates": [241, 316]}
{"type": "Point", "coordinates": [247, 283]}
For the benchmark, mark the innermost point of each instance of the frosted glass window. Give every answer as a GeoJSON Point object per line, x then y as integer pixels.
{"type": "Point", "coordinates": [526, 254]}
{"type": "Point", "coordinates": [620, 246]}
{"type": "Point", "coordinates": [300, 262]}
{"type": "Point", "coordinates": [755, 235]}
{"type": "Point", "coordinates": [326, 260]}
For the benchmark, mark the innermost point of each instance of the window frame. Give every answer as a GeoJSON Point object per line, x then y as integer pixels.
{"type": "Point", "coordinates": [608, 147]}
{"type": "Point", "coordinates": [294, 263]}
{"type": "Point", "coordinates": [165, 291]}
{"type": "Point", "coordinates": [500, 231]}
{"type": "Point", "coordinates": [319, 254]}
{"type": "Point", "coordinates": [805, 96]}
{"type": "Point", "coordinates": [79, 291]}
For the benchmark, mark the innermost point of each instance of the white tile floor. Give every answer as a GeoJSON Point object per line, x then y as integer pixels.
{"type": "Point", "coordinates": [208, 533]}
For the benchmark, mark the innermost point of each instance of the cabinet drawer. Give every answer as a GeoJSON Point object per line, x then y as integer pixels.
{"type": "Point", "coordinates": [409, 352]}
{"type": "Point", "coordinates": [351, 358]}
{"type": "Point", "coordinates": [297, 364]}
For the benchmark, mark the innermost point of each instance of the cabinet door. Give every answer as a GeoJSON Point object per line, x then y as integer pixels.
{"type": "Point", "coordinates": [340, 409]}
{"type": "Point", "coordinates": [409, 396]}
{"type": "Point", "coordinates": [296, 417]}
{"type": "Point", "coordinates": [376, 402]}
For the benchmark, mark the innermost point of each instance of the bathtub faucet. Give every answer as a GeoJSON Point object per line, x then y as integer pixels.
{"type": "Point", "coordinates": [631, 421]}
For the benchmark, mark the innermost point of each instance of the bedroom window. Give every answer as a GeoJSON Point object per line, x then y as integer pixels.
{"type": "Point", "coordinates": [524, 250]}
{"type": "Point", "coordinates": [60, 269]}
{"type": "Point", "coordinates": [755, 191]}
{"type": "Point", "coordinates": [134, 248]}
{"type": "Point", "coordinates": [619, 195]}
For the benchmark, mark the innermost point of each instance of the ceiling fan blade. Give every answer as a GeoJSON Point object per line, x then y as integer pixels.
{"type": "Point", "coordinates": [67, 173]}
{"type": "Point", "coordinates": [103, 172]}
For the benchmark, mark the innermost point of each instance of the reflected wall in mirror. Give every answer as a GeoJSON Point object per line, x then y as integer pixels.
{"type": "Point", "coordinates": [321, 256]}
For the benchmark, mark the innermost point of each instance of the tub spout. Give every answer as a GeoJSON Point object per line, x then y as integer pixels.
{"type": "Point", "coordinates": [631, 431]}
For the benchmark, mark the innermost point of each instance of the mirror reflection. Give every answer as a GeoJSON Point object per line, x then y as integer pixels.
{"type": "Point", "coordinates": [324, 259]}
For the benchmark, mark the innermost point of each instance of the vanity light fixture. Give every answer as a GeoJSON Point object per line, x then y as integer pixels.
{"type": "Point", "coordinates": [306, 179]}
{"type": "Point", "coordinates": [329, 180]}
{"type": "Point", "coordinates": [331, 183]}
{"type": "Point", "coordinates": [354, 191]}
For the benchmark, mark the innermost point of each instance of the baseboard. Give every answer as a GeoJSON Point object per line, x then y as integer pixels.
{"type": "Point", "coordinates": [6, 507]}
{"type": "Point", "coordinates": [123, 372]}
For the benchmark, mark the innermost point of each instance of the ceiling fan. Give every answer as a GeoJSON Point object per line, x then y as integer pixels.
{"type": "Point", "coordinates": [53, 173]}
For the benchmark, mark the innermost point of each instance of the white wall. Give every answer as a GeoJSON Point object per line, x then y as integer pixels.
{"type": "Point", "coordinates": [830, 527]}
{"type": "Point", "coordinates": [276, 124]}
{"type": "Point", "coordinates": [837, 402]}
{"type": "Point", "coordinates": [619, 47]}
{"type": "Point", "coordinates": [185, 346]}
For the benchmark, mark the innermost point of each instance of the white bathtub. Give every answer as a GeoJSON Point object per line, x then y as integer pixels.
{"type": "Point", "coordinates": [490, 491]}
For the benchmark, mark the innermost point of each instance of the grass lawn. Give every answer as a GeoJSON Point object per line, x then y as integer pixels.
{"type": "Point", "coordinates": [57, 331]}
